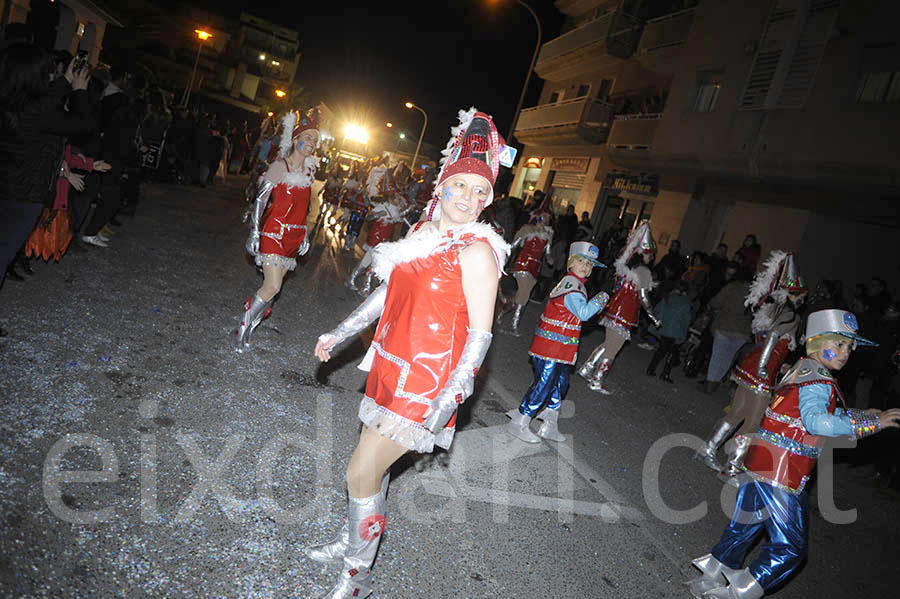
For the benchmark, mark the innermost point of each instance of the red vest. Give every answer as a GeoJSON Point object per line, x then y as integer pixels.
{"type": "Point", "coordinates": [783, 453]}
{"type": "Point", "coordinates": [558, 332]}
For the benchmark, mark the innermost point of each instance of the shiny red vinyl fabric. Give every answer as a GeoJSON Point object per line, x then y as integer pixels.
{"type": "Point", "coordinates": [285, 221]}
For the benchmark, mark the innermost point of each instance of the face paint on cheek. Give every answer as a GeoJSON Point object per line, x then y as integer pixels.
{"type": "Point", "coordinates": [301, 145]}
{"type": "Point", "coordinates": [829, 354]}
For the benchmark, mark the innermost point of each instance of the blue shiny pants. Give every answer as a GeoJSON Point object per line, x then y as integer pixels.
{"type": "Point", "coordinates": [551, 381]}
{"type": "Point", "coordinates": [785, 517]}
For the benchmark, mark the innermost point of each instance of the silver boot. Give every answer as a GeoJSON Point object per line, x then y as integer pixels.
{"type": "Point", "coordinates": [518, 428]}
{"type": "Point", "coordinates": [595, 383]}
{"type": "Point", "coordinates": [589, 368]}
{"type": "Point", "coordinates": [506, 309]}
{"type": "Point", "coordinates": [741, 585]}
{"type": "Point", "coordinates": [255, 309]}
{"type": "Point", "coordinates": [367, 286]}
{"type": "Point", "coordinates": [712, 577]}
{"type": "Point", "coordinates": [366, 523]}
{"type": "Point", "coordinates": [550, 429]}
{"type": "Point", "coordinates": [514, 325]}
{"type": "Point", "coordinates": [740, 444]}
{"type": "Point", "coordinates": [333, 551]}
{"type": "Point", "coordinates": [351, 282]}
{"type": "Point", "coordinates": [707, 455]}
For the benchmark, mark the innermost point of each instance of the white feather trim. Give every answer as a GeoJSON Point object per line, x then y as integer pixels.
{"type": "Point", "coordinates": [528, 231]}
{"type": "Point", "coordinates": [303, 177]}
{"type": "Point", "coordinates": [765, 319]}
{"type": "Point", "coordinates": [288, 122]}
{"type": "Point", "coordinates": [465, 118]}
{"type": "Point", "coordinates": [631, 275]}
{"type": "Point", "coordinates": [764, 280]}
{"type": "Point", "coordinates": [428, 241]}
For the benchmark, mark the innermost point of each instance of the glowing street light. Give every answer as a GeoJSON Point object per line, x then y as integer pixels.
{"type": "Point", "coordinates": [270, 113]}
{"type": "Point", "coordinates": [421, 135]}
{"type": "Point", "coordinates": [203, 36]}
{"type": "Point", "coordinates": [403, 136]}
{"type": "Point", "coordinates": [389, 125]}
{"type": "Point", "coordinates": [280, 93]}
{"type": "Point", "coordinates": [356, 133]}
{"type": "Point", "coordinates": [262, 56]}
{"type": "Point", "coordinates": [275, 63]}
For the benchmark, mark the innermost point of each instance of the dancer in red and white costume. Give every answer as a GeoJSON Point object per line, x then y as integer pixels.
{"type": "Point", "coordinates": [278, 234]}
{"type": "Point", "coordinates": [436, 309]}
{"type": "Point", "coordinates": [775, 297]}
{"type": "Point", "coordinates": [535, 241]}
{"type": "Point", "coordinates": [632, 292]}
{"type": "Point", "coordinates": [383, 216]}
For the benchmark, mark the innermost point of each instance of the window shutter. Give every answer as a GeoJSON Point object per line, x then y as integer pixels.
{"type": "Point", "coordinates": [804, 65]}
{"type": "Point", "coordinates": [790, 51]}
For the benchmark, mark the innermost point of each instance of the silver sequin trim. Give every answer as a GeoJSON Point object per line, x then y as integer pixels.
{"type": "Point", "coordinates": [559, 338]}
{"type": "Point", "coordinates": [404, 374]}
{"type": "Point", "coordinates": [612, 324]}
{"type": "Point", "coordinates": [785, 419]}
{"type": "Point", "coordinates": [403, 431]}
{"type": "Point", "coordinates": [561, 324]}
{"type": "Point", "coordinates": [764, 479]}
{"type": "Point", "coordinates": [276, 260]}
{"type": "Point", "coordinates": [790, 445]}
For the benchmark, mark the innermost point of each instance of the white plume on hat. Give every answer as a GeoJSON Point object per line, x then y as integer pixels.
{"type": "Point", "coordinates": [764, 282]}
{"type": "Point", "coordinates": [288, 122]}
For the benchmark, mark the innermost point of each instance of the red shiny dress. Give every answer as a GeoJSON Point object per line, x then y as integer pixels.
{"type": "Point", "coordinates": [383, 225]}
{"type": "Point", "coordinates": [421, 334]}
{"type": "Point", "coordinates": [745, 373]}
{"type": "Point", "coordinates": [625, 306]}
{"type": "Point", "coordinates": [534, 244]}
{"type": "Point", "coordinates": [284, 223]}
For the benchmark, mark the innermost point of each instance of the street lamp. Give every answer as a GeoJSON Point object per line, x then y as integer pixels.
{"type": "Point", "coordinates": [421, 135]}
{"type": "Point", "coordinates": [389, 125]}
{"type": "Point", "coordinates": [537, 46]}
{"type": "Point", "coordinates": [203, 36]}
{"type": "Point", "coordinates": [280, 93]}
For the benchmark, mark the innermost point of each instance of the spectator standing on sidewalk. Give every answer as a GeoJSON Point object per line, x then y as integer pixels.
{"type": "Point", "coordinates": [33, 131]}
{"type": "Point", "coordinates": [674, 311]}
{"type": "Point", "coordinates": [730, 326]}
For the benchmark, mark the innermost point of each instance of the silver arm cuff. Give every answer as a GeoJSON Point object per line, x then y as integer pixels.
{"type": "Point", "coordinates": [864, 425]}
{"type": "Point", "coordinates": [461, 383]}
{"type": "Point", "coordinates": [256, 211]}
{"type": "Point", "coordinates": [365, 314]}
{"type": "Point", "coordinates": [766, 354]}
{"type": "Point", "coordinates": [645, 302]}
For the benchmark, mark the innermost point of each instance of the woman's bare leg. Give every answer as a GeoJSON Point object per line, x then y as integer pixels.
{"type": "Point", "coordinates": [272, 278]}
{"type": "Point", "coordinates": [373, 456]}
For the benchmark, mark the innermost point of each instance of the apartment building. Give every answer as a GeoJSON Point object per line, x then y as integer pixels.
{"type": "Point", "coordinates": [721, 118]}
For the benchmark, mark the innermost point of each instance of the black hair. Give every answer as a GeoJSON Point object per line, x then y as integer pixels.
{"type": "Point", "coordinates": [25, 72]}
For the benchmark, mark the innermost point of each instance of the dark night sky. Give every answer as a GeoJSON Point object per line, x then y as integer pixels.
{"type": "Point", "coordinates": [365, 59]}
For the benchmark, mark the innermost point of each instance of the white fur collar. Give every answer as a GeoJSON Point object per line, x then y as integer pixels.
{"type": "Point", "coordinates": [428, 241]}
{"type": "Point", "coordinates": [631, 275]}
{"type": "Point", "coordinates": [528, 231]}
{"type": "Point", "coordinates": [304, 176]}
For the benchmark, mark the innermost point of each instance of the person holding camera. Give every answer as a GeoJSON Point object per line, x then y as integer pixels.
{"type": "Point", "coordinates": [33, 131]}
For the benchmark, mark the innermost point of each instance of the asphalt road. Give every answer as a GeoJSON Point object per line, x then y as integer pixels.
{"type": "Point", "coordinates": [202, 472]}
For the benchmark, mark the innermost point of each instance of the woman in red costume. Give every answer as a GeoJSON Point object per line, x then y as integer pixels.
{"type": "Point", "coordinates": [436, 308]}
{"type": "Point", "coordinates": [535, 241]}
{"type": "Point", "coordinates": [775, 297]}
{"type": "Point", "coordinates": [278, 234]}
{"type": "Point", "coordinates": [632, 288]}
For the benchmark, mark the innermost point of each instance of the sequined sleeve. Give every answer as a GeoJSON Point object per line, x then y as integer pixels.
{"type": "Point", "coordinates": [864, 425]}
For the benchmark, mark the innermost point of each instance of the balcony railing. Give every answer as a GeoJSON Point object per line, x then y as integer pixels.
{"type": "Point", "coordinates": [666, 31]}
{"type": "Point", "coordinates": [583, 119]}
{"type": "Point", "coordinates": [633, 131]}
{"type": "Point", "coordinates": [618, 29]}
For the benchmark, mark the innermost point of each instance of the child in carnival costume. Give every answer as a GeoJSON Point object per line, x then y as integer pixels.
{"type": "Point", "coordinates": [632, 292]}
{"type": "Point", "coordinates": [554, 347]}
{"type": "Point", "coordinates": [775, 297]}
{"type": "Point", "coordinates": [808, 405]}
{"type": "Point", "coordinates": [534, 239]}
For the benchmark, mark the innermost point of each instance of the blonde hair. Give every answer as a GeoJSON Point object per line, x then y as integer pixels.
{"type": "Point", "coordinates": [573, 258]}
{"type": "Point", "coordinates": [818, 343]}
